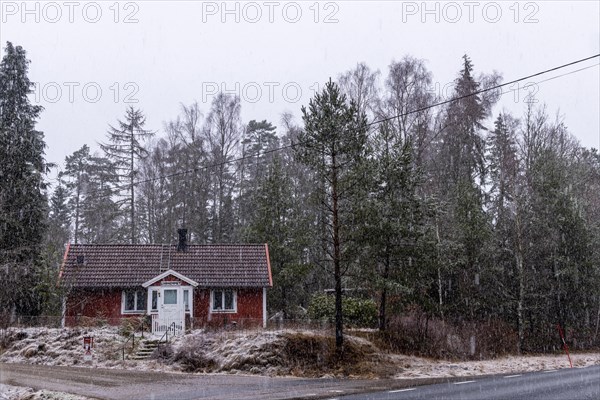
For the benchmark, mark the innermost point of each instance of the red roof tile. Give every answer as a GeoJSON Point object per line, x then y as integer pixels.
{"type": "Point", "coordinates": [109, 265]}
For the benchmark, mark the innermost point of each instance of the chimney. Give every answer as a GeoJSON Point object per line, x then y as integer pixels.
{"type": "Point", "coordinates": [182, 245]}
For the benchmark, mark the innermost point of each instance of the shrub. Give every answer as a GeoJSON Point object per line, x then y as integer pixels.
{"type": "Point", "coordinates": [418, 333]}
{"type": "Point", "coordinates": [129, 326]}
{"type": "Point", "coordinates": [359, 313]}
{"type": "Point", "coordinates": [163, 352]}
{"type": "Point", "coordinates": [8, 338]}
{"type": "Point", "coordinates": [192, 356]}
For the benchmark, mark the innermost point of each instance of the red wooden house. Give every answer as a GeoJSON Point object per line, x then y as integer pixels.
{"type": "Point", "coordinates": [178, 286]}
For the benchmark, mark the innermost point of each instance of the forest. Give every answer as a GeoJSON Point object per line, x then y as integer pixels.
{"type": "Point", "coordinates": [441, 208]}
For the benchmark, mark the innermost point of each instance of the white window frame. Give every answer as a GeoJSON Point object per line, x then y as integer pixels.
{"type": "Point", "coordinates": [190, 290]}
{"type": "Point", "coordinates": [153, 289]}
{"type": "Point", "coordinates": [212, 296]}
{"type": "Point", "coordinates": [138, 292]}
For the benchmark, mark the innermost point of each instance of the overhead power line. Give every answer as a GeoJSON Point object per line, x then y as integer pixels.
{"type": "Point", "coordinates": [492, 88]}
{"type": "Point", "coordinates": [381, 120]}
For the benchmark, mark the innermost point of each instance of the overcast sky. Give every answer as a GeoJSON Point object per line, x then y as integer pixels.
{"type": "Point", "coordinates": [157, 54]}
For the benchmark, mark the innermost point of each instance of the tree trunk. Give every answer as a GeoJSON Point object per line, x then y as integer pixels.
{"type": "Point", "coordinates": [383, 300]}
{"type": "Point", "coordinates": [131, 188]}
{"type": "Point", "coordinates": [339, 335]}
{"type": "Point", "coordinates": [77, 197]}
{"type": "Point", "coordinates": [521, 278]}
{"type": "Point", "coordinates": [520, 301]}
{"type": "Point", "coordinates": [439, 270]}
{"type": "Point", "coordinates": [597, 320]}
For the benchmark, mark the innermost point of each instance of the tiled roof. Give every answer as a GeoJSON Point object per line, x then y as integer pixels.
{"type": "Point", "coordinates": [109, 265]}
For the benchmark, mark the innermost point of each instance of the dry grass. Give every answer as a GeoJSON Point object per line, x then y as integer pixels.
{"type": "Point", "coordinates": [307, 354]}
{"type": "Point", "coordinates": [443, 340]}
{"type": "Point", "coordinates": [297, 353]}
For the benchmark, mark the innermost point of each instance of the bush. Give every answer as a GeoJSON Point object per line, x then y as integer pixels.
{"type": "Point", "coordinates": [164, 352]}
{"type": "Point", "coordinates": [358, 313]}
{"type": "Point", "coordinates": [192, 356]}
{"type": "Point", "coordinates": [418, 333]}
{"type": "Point", "coordinates": [129, 326]}
{"type": "Point", "coordinates": [8, 338]}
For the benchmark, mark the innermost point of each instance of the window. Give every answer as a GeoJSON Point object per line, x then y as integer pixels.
{"type": "Point", "coordinates": [224, 300]}
{"type": "Point", "coordinates": [154, 300]}
{"type": "Point", "coordinates": [170, 296]}
{"type": "Point", "coordinates": [186, 299]}
{"type": "Point", "coordinates": [134, 301]}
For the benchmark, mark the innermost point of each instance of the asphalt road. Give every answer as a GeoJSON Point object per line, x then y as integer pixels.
{"type": "Point", "coordinates": [118, 384]}
{"type": "Point", "coordinates": [564, 384]}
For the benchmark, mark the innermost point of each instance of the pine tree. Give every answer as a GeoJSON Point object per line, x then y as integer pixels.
{"type": "Point", "coordinates": [125, 149]}
{"type": "Point", "coordinates": [75, 176]}
{"type": "Point", "coordinates": [333, 145]}
{"type": "Point", "coordinates": [23, 205]}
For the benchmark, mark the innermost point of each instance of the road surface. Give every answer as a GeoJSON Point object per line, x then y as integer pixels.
{"type": "Point", "coordinates": [117, 384]}
{"type": "Point", "coordinates": [565, 384]}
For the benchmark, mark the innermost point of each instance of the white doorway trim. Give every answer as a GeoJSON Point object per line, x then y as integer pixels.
{"type": "Point", "coordinates": [166, 303]}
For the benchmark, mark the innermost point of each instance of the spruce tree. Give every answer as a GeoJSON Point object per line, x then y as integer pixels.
{"type": "Point", "coordinates": [23, 204]}
{"type": "Point", "coordinates": [125, 149]}
{"type": "Point", "coordinates": [102, 221]}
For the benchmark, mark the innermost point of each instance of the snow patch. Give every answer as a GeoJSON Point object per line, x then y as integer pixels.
{"type": "Point", "coordinates": [20, 393]}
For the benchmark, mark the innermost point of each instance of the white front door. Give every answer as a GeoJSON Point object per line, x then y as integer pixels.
{"type": "Point", "coordinates": [170, 310]}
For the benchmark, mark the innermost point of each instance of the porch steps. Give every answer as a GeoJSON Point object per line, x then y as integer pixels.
{"type": "Point", "coordinates": [145, 350]}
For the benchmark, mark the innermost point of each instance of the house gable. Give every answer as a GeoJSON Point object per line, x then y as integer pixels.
{"type": "Point", "coordinates": [168, 276]}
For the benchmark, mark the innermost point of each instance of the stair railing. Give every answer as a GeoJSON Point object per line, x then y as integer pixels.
{"type": "Point", "coordinates": [166, 335]}
{"type": "Point", "coordinates": [132, 339]}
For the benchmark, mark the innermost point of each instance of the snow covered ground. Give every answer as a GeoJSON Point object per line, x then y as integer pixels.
{"type": "Point", "coordinates": [18, 393]}
{"type": "Point", "coordinates": [258, 352]}
{"type": "Point", "coordinates": [414, 367]}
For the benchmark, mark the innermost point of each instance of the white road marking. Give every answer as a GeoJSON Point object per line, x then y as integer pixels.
{"type": "Point", "coordinates": [462, 383]}
{"type": "Point", "coordinates": [512, 376]}
{"type": "Point", "coordinates": [401, 390]}
{"type": "Point", "coordinates": [336, 391]}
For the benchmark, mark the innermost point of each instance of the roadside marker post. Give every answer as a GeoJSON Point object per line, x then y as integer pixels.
{"type": "Point", "coordinates": [565, 347]}
{"type": "Point", "coordinates": [88, 343]}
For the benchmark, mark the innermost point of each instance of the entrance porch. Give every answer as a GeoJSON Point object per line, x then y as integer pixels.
{"type": "Point", "coordinates": [170, 302]}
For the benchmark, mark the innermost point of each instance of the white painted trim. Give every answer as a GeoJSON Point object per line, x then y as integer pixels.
{"type": "Point", "coordinates": [167, 273]}
{"type": "Point", "coordinates": [212, 311]}
{"type": "Point", "coordinates": [64, 312]}
{"type": "Point", "coordinates": [151, 289]}
{"type": "Point", "coordinates": [264, 308]}
{"type": "Point", "coordinates": [190, 291]}
{"type": "Point", "coordinates": [180, 308]}
{"type": "Point", "coordinates": [130, 312]}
